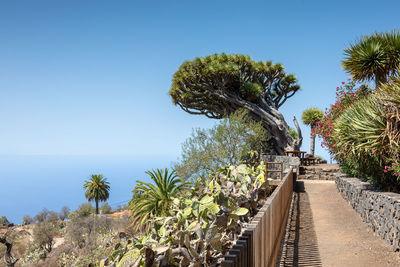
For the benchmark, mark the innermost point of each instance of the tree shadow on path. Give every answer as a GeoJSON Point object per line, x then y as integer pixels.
{"type": "Point", "coordinates": [299, 245]}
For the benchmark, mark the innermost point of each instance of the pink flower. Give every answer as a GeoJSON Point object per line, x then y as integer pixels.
{"type": "Point", "coordinates": [385, 171]}
{"type": "Point", "coordinates": [342, 82]}
{"type": "Point", "coordinates": [373, 152]}
{"type": "Point", "coordinates": [396, 174]}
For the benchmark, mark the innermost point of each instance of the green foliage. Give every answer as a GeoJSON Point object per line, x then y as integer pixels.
{"type": "Point", "coordinates": [97, 189]}
{"type": "Point", "coordinates": [43, 235]}
{"type": "Point", "coordinates": [359, 130]}
{"type": "Point", "coordinates": [89, 232]}
{"type": "Point", "coordinates": [84, 210]}
{"type": "Point", "coordinates": [106, 208]}
{"type": "Point", "coordinates": [26, 219]}
{"type": "Point", "coordinates": [93, 257]}
{"type": "Point", "coordinates": [376, 56]}
{"type": "Point", "coordinates": [35, 254]}
{"type": "Point", "coordinates": [3, 220]}
{"type": "Point", "coordinates": [66, 259]}
{"type": "Point", "coordinates": [65, 211]}
{"type": "Point", "coordinates": [155, 199]}
{"type": "Point", "coordinates": [227, 143]}
{"type": "Point", "coordinates": [293, 133]}
{"type": "Point", "coordinates": [311, 116]}
{"type": "Point", "coordinates": [365, 136]}
{"type": "Point", "coordinates": [251, 91]}
{"type": "Point", "coordinates": [200, 224]}
{"type": "Point", "coordinates": [199, 86]}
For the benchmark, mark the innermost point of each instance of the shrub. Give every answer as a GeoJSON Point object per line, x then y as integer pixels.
{"type": "Point", "coordinates": [227, 143]}
{"type": "Point", "coordinates": [41, 216]}
{"type": "Point", "coordinates": [155, 199]}
{"type": "Point", "coordinates": [65, 211]}
{"type": "Point", "coordinates": [43, 235]}
{"type": "Point", "coordinates": [362, 130]}
{"type": "Point", "coordinates": [105, 208]}
{"type": "Point", "coordinates": [3, 220]}
{"type": "Point", "coordinates": [84, 210]}
{"type": "Point", "coordinates": [27, 220]}
{"type": "Point", "coordinates": [84, 231]}
{"type": "Point", "coordinates": [293, 133]}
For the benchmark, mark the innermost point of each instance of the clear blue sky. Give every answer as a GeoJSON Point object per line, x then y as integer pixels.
{"type": "Point", "coordinates": [92, 77]}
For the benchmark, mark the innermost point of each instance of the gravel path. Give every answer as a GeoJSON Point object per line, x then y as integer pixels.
{"type": "Point", "coordinates": [324, 230]}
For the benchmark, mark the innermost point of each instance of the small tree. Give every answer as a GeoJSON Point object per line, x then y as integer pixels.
{"type": "Point", "coordinates": [65, 211]}
{"type": "Point", "coordinates": [3, 220]}
{"type": "Point", "coordinates": [27, 220]}
{"type": "Point", "coordinates": [97, 189]}
{"type": "Point", "coordinates": [310, 117]}
{"type": "Point", "coordinates": [218, 85]}
{"type": "Point", "coordinates": [43, 235]}
{"type": "Point", "coordinates": [227, 143]}
{"type": "Point", "coordinates": [155, 198]}
{"type": "Point", "coordinates": [52, 216]}
{"type": "Point", "coordinates": [41, 216]}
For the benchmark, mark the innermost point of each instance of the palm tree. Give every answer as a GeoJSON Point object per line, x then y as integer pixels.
{"type": "Point", "coordinates": [310, 117]}
{"type": "Point", "coordinates": [154, 199]}
{"type": "Point", "coordinates": [97, 189]}
{"type": "Point", "coordinates": [376, 56]}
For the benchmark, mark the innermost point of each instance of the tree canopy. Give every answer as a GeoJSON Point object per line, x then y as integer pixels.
{"type": "Point", "coordinates": [97, 189]}
{"type": "Point", "coordinates": [311, 116]}
{"type": "Point", "coordinates": [219, 84]}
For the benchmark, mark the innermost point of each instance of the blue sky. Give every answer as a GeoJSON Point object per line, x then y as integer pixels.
{"type": "Point", "coordinates": [92, 77]}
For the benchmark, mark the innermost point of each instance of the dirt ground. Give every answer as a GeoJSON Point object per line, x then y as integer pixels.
{"type": "Point", "coordinates": [324, 230]}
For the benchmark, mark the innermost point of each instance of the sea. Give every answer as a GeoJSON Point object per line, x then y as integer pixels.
{"type": "Point", "coordinates": [30, 183]}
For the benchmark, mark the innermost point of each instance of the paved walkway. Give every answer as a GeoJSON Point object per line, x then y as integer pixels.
{"type": "Point", "coordinates": [323, 230]}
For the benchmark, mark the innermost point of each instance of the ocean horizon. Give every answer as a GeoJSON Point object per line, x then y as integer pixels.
{"type": "Point", "coordinates": [30, 183]}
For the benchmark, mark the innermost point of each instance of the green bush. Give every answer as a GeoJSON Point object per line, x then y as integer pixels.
{"type": "Point", "coordinates": [84, 210]}
{"type": "Point", "coordinates": [362, 130]}
{"type": "Point", "coordinates": [227, 143]}
{"type": "Point", "coordinates": [3, 220]}
{"type": "Point", "coordinates": [293, 133]}
{"type": "Point", "coordinates": [201, 222]}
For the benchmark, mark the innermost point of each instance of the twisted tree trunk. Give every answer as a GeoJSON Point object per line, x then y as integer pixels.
{"type": "Point", "coordinates": [271, 119]}
{"type": "Point", "coordinates": [10, 260]}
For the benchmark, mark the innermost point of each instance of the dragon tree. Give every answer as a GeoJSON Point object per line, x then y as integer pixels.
{"type": "Point", "coordinates": [218, 85]}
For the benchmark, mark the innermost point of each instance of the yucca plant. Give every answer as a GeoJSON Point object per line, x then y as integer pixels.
{"type": "Point", "coordinates": [373, 57]}
{"type": "Point", "coordinates": [360, 129]}
{"type": "Point", "coordinates": [154, 199]}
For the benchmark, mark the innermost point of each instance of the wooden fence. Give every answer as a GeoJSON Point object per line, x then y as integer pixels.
{"type": "Point", "coordinates": [260, 242]}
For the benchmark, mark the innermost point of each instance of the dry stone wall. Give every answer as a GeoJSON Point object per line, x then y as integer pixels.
{"type": "Point", "coordinates": [320, 172]}
{"type": "Point", "coordinates": [380, 210]}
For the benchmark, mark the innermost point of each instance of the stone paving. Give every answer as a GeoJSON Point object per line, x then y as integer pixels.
{"type": "Point", "coordinates": [323, 230]}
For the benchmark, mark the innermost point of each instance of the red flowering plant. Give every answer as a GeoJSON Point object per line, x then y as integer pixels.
{"type": "Point", "coordinates": [346, 94]}
{"type": "Point", "coordinates": [362, 131]}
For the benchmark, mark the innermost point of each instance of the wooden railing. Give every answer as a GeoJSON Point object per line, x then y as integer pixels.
{"type": "Point", "coordinates": [268, 170]}
{"type": "Point", "coordinates": [259, 244]}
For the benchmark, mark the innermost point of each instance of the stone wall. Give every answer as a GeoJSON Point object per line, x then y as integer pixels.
{"type": "Point", "coordinates": [319, 172]}
{"type": "Point", "coordinates": [380, 210]}
{"type": "Point", "coordinates": [288, 162]}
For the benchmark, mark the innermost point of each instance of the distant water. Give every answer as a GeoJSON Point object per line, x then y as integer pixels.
{"type": "Point", "coordinates": [30, 183]}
